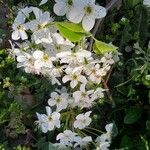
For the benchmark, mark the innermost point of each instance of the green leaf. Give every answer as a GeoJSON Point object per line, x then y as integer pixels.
{"type": "Point", "coordinates": [133, 3]}
{"type": "Point", "coordinates": [101, 47]}
{"type": "Point", "coordinates": [133, 114]}
{"type": "Point", "coordinates": [73, 27]}
{"type": "Point", "coordinates": [126, 142]}
{"type": "Point", "coordinates": [69, 34]}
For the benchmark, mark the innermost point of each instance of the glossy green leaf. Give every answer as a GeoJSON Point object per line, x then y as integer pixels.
{"type": "Point", "coordinates": [101, 47]}
{"type": "Point", "coordinates": [68, 34]}
{"type": "Point", "coordinates": [133, 114]}
{"type": "Point", "coordinates": [73, 27]}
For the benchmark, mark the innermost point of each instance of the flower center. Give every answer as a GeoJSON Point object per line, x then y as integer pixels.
{"type": "Point", "coordinates": [40, 26]}
{"type": "Point", "coordinates": [58, 99]}
{"type": "Point", "coordinates": [45, 57]}
{"type": "Point", "coordinates": [70, 2]}
{"type": "Point", "coordinates": [83, 94]}
{"type": "Point", "coordinates": [49, 118]}
{"type": "Point", "coordinates": [19, 27]}
{"type": "Point", "coordinates": [58, 47]}
{"type": "Point", "coordinates": [74, 76]}
{"type": "Point", "coordinates": [88, 10]}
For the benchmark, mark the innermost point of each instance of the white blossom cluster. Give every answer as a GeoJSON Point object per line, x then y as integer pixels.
{"type": "Point", "coordinates": [46, 52]}
{"type": "Point", "coordinates": [146, 3]}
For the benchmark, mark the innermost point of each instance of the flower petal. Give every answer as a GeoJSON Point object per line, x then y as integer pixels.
{"type": "Point", "coordinates": [48, 110]}
{"type": "Point", "coordinates": [43, 2]}
{"type": "Point", "coordinates": [23, 35]}
{"type": "Point", "coordinates": [88, 22]}
{"type": "Point", "coordinates": [100, 12]}
{"type": "Point", "coordinates": [75, 15]}
{"type": "Point", "coordinates": [60, 9]}
{"type": "Point", "coordinates": [38, 54]}
{"type": "Point", "coordinates": [15, 35]}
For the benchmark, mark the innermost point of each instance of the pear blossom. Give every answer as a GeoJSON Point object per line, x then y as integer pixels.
{"type": "Point", "coordinates": [19, 28]}
{"type": "Point", "coordinates": [59, 100]}
{"type": "Point", "coordinates": [42, 122]}
{"type": "Point", "coordinates": [82, 120]}
{"type": "Point", "coordinates": [58, 44]}
{"type": "Point", "coordinates": [82, 97]}
{"type": "Point", "coordinates": [38, 26]}
{"type": "Point", "coordinates": [52, 119]}
{"type": "Point", "coordinates": [82, 142]}
{"type": "Point", "coordinates": [107, 59]}
{"type": "Point", "coordinates": [74, 78]}
{"type": "Point", "coordinates": [96, 73]}
{"type": "Point", "coordinates": [67, 137]}
{"type": "Point", "coordinates": [42, 60]}
{"type": "Point", "coordinates": [42, 36]}
{"type": "Point", "coordinates": [62, 7]}
{"type": "Point", "coordinates": [71, 57]}
{"type": "Point", "coordinates": [104, 140]}
{"type": "Point", "coordinates": [86, 11]}
{"type": "Point", "coordinates": [49, 121]}
{"type": "Point", "coordinates": [19, 31]}
{"type": "Point", "coordinates": [98, 93]}
{"type": "Point", "coordinates": [55, 73]}
{"type": "Point", "coordinates": [27, 61]}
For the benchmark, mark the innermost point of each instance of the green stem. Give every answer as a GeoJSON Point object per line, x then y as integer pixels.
{"type": "Point", "coordinates": [95, 130]}
{"type": "Point", "coordinates": [90, 132]}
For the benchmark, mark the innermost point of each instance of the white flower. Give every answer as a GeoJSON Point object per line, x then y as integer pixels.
{"type": "Point", "coordinates": [147, 3]}
{"type": "Point", "coordinates": [96, 73]}
{"type": "Point", "coordinates": [59, 44]}
{"type": "Point", "coordinates": [105, 139]}
{"type": "Point", "coordinates": [42, 36]}
{"type": "Point", "coordinates": [59, 100]}
{"type": "Point", "coordinates": [52, 119]}
{"type": "Point", "coordinates": [62, 7]}
{"type": "Point", "coordinates": [19, 26]}
{"type": "Point", "coordinates": [107, 59]}
{"type": "Point", "coordinates": [74, 77]}
{"type": "Point", "coordinates": [19, 31]}
{"type": "Point", "coordinates": [27, 61]}
{"type": "Point", "coordinates": [98, 93]}
{"type": "Point", "coordinates": [54, 73]}
{"type": "Point", "coordinates": [74, 57]}
{"type": "Point", "coordinates": [67, 137]}
{"type": "Point", "coordinates": [43, 2]}
{"type": "Point", "coordinates": [42, 60]}
{"type": "Point", "coordinates": [82, 97]}
{"type": "Point", "coordinates": [82, 141]}
{"type": "Point", "coordinates": [42, 122]}
{"type": "Point", "coordinates": [38, 26]}
{"type": "Point", "coordinates": [82, 120]}
{"type": "Point", "coordinates": [86, 11]}
{"type": "Point", "coordinates": [103, 146]}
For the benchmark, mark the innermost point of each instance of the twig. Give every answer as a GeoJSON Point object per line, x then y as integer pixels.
{"type": "Point", "coordinates": [108, 76]}
{"type": "Point", "coordinates": [108, 92]}
{"type": "Point", "coordinates": [99, 22]}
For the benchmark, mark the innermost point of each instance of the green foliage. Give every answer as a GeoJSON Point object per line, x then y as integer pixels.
{"type": "Point", "coordinates": [67, 32]}
{"type": "Point", "coordinates": [101, 47]}
{"type": "Point", "coordinates": [71, 26]}
{"type": "Point", "coordinates": [132, 115]}
{"type": "Point", "coordinates": [129, 83]}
